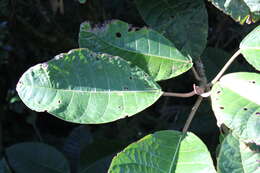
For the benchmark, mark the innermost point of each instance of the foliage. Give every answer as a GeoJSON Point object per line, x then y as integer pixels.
{"type": "Point", "coordinates": [122, 70]}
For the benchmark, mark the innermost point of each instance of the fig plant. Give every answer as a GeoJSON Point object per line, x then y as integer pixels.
{"type": "Point", "coordinates": [114, 75]}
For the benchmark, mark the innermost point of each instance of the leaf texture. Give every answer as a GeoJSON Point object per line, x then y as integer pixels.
{"type": "Point", "coordinates": [236, 103]}
{"type": "Point", "coordinates": [84, 87]}
{"type": "Point", "coordinates": [250, 47]}
{"type": "Point", "coordinates": [145, 48]}
{"type": "Point", "coordinates": [164, 152]}
{"type": "Point", "coordinates": [184, 22]}
{"type": "Point", "coordinates": [240, 10]}
{"type": "Point", "coordinates": [236, 156]}
{"type": "Point", "coordinates": [36, 157]}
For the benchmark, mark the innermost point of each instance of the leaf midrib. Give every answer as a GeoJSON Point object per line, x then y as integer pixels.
{"type": "Point", "coordinates": [131, 51]}
{"type": "Point", "coordinates": [107, 91]}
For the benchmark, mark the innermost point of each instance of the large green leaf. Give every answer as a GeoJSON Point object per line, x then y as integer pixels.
{"type": "Point", "coordinates": [164, 152]}
{"type": "Point", "coordinates": [36, 157]}
{"type": "Point", "coordinates": [184, 22]}
{"type": "Point", "coordinates": [84, 87]}
{"type": "Point", "coordinates": [250, 47]}
{"type": "Point", "coordinates": [145, 48]}
{"type": "Point", "coordinates": [235, 156]}
{"type": "Point", "coordinates": [239, 10]}
{"type": "Point", "coordinates": [236, 103]}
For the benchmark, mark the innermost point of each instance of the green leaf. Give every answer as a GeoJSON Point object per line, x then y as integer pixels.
{"type": "Point", "coordinates": [250, 47]}
{"type": "Point", "coordinates": [145, 48]}
{"type": "Point", "coordinates": [236, 103]}
{"type": "Point", "coordinates": [36, 157]}
{"type": "Point", "coordinates": [164, 151]}
{"type": "Point", "coordinates": [235, 156]}
{"type": "Point", "coordinates": [240, 10]}
{"type": "Point", "coordinates": [82, 1]}
{"type": "Point", "coordinates": [84, 87]}
{"type": "Point", "coordinates": [184, 22]}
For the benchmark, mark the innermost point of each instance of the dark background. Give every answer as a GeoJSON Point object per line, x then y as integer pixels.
{"type": "Point", "coordinates": [33, 31]}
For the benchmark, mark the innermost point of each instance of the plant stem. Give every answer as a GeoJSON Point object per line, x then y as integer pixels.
{"type": "Point", "coordinates": [203, 84]}
{"type": "Point", "coordinates": [192, 113]}
{"type": "Point", "coordinates": [222, 71]}
{"type": "Point", "coordinates": [189, 94]}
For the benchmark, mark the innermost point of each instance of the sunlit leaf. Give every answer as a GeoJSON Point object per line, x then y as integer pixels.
{"type": "Point", "coordinates": [236, 103]}
{"type": "Point", "coordinates": [145, 48]}
{"type": "Point", "coordinates": [250, 47]}
{"type": "Point", "coordinates": [164, 151]}
{"type": "Point", "coordinates": [84, 87]}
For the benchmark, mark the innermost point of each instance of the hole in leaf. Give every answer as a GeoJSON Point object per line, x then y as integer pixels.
{"type": "Point", "coordinates": [125, 88]}
{"type": "Point", "coordinates": [245, 109]}
{"type": "Point", "coordinates": [130, 78]}
{"type": "Point", "coordinates": [218, 92]}
{"type": "Point", "coordinates": [118, 34]}
{"type": "Point", "coordinates": [257, 113]}
{"type": "Point", "coordinates": [221, 107]}
{"type": "Point", "coordinates": [172, 17]}
{"type": "Point", "coordinates": [59, 101]}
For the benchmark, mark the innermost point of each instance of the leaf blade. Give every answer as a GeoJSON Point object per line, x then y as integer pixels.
{"type": "Point", "coordinates": [145, 48]}
{"type": "Point", "coordinates": [164, 152]}
{"type": "Point", "coordinates": [239, 10]}
{"type": "Point", "coordinates": [23, 158]}
{"type": "Point", "coordinates": [235, 102]}
{"type": "Point", "coordinates": [84, 87]}
{"type": "Point", "coordinates": [250, 48]}
{"type": "Point", "coordinates": [235, 156]}
{"type": "Point", "coordinates": [173, 18]}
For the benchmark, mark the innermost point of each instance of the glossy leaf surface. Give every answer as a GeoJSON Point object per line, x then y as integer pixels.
{"type": "Point", "coordinates": [235, 156]}
{"type": "Point", "coordinates": [236, 103]}
{"type": "Point", "coordinates": [36, 157]}
{"type": "Point", "coordinates": [240, 10]}
{"type": "Point", "coordinates": [250, 47]}
{"type": "Point", "coordinates": [84, 87]}
{"type": "Point", "coordinates": [164, 152]}
{"type": "Point", "coordinates": [145, 48]}
{"type": "Point", "coordinates": [184, 22]}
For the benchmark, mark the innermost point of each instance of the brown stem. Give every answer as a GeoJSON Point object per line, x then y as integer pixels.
{"type": "Point", "coordinates": [189, 94]}
{"type": "Point", "coordinates": [192, 113]}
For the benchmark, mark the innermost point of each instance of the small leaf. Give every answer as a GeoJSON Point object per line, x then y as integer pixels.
{"type": "Point", "coordinates": [164, 151]}
{"type": "Point", "coordinates": [240, 10]}
{"type": "Point", "coordinates": [84, 87]}
{"type": "Point", "coordinates": [235, 156]}
{"type": "Point", "coordinates": [250, 47]}
{"type": "Point", "coordinates": [184, 22]}
{"type": "Point", "coordinates": [36, 157]}
{"type": "Point", "coordinates": [145, 48]}
{"type": "Point", "coordinates": [236, 103]}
